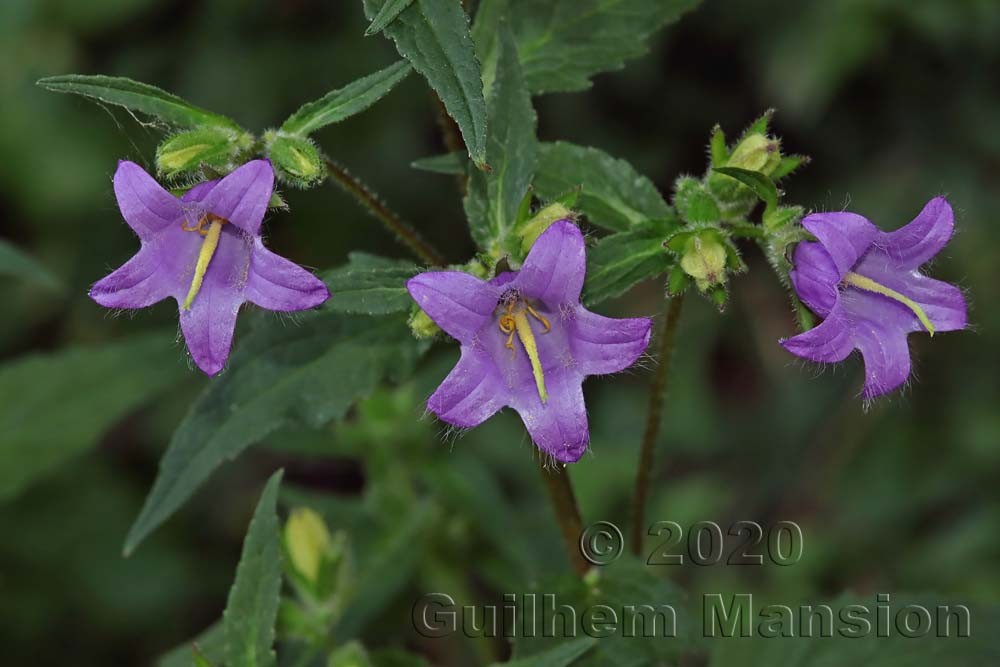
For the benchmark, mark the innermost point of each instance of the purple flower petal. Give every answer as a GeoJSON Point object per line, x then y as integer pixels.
{"type": "Point", "coordinates": [829, 342]}
{"type": "Point", "coordinates": [845, 236]}
{"type": "Point", "coordinates": [145, 205]}
{"type": "Point", "coordinates": [604, 345]}
{"type": "Point", "coordinates": [943, 303]}
{"type": "Point", "coordinates": [472, 392]}
{"type": "Point", "coordinates": [208, 327]}
{"type": "Point", "coordinates": [815, 277]}
{"type": "Point", "coordinates": [459, 303]}
{"type": "Point", "coordinates": [887, 359]}
{"type": "Point", "coordinates": [558, 426]}
{"type": "Point", "coordinates": [199, 191]}
{"type": "Point", "coordinates": [243, 195]}
{"type": "Point", "coordinates": [554, 269]}
{"type": "Point", "coordinates": [136, 284]}
{"type": "Point", "coordinates": [276, 283]}
{"type": "Point", "coordinates": [920, 240]}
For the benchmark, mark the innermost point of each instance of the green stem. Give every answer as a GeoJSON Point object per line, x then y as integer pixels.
{"type": "Point", "coordinates": [401, 229]}
{"type": "Point", "coordinates": [567, 512]}
{"type": "Point", "coordinates": [654, 416]}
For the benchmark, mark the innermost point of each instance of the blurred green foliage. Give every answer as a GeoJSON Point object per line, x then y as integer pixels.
{"type": "Point", "coordinates": [895, 100]}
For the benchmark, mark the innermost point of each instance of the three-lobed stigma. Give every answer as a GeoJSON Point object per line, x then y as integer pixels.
{"type": "Point", "coordinates": [867, 284]}
{"type": "Point", "coordinates": [207, 252]}
{"type": "Point", "coordinates": [514, 321]}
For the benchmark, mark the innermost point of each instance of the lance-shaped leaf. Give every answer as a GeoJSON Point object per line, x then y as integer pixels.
{"type": "Point", "coordinates": [46, 421]}
{"type": "Point", "coordinates": [281, 375]}
{"type": "Point", "coordinates": [252, 607]}
{"type": "Point", "coordinates": [344, 102]}
{"type": "Point", "coordinates": [370, 285]}
{"type": "Point", "coordinates": [614, 195]}
{"type": "Point", "coordinates": [452, 164]}
{"type": "Point", "coordinates": [390, 10]}
{"type": "Point", "coordinates": [493, 198]}
{"type": "Point", "coordinates": [434, 36]}
{"type": "Point", "coordinates": [620, 261]}
{"type": "Point", "coordinates": [137, 96]}
{"type": "Point", "coordinates": [15, 262]}
{"type": "Point", "coordinates": [565, 42]}
{"type": "Point", "coordinates": [210, 644]}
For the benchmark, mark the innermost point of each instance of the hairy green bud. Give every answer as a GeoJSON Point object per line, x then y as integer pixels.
{"type": "Point", "coordinates": [756, 152]}
{"type": "Point", "coordinates": [213, 147]}
{"type": "Point", "coordinates": [295, 159]}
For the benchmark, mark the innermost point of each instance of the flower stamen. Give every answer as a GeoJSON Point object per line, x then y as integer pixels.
{"type": "Point", "coordinates": [869, 285]}
{"type": "Point", "coordinates": [208, 248]}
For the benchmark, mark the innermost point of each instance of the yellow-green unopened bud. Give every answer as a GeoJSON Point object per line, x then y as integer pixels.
{"type": "Point", "coordinates": [533, 228]}
{"type": "Point", "coordinates": [307, 542]}
{"type": "Point", "coordinates": [704, 259]}
{"type": "Point", "coordinates": [187, 151]}
{"type": "Point", "coordinates": [295, 159]}
{"type": "Point", "coordinates": [422, 326]}
{"type": "Point", "coordinates": [756, 153]}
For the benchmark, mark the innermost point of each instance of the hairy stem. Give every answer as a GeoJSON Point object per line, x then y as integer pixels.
{"type": "Point", "coordinates": [567, 512]}
{"type": "Point", "coordinates": [403, 231]}
{"type": "Point", "coordinates": [657, 395]}
{"type": "Point", "coordinates": [452, 137]}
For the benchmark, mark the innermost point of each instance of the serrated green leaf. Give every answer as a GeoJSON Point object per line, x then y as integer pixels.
{"type": "Point", "coordinates": [136, 96]}
{"type": "Point", "coordinates": [614, 195]}
{"type": "Point", "coordinates": [493, 198]}
{"type": "Point", "coordinates": [434, 36]}
{"type": "Point", "coordinates": [620, 261]}
{"type": "Point", "coordinates": [371, 285]}
{"type": "Point", "coordinates": [17, 263]}
{"type": "Point", "coordinates": [452, 164]}
{"type": "Point", "coordinates": [252, 607]}
{"type": "Point", "coordinates": [280, 375]}
{"type": "Point", "coordinates": [46, 421]}
{"type": "Point", "coordinates": [981, 647]}
{"type": "Point", "coordinates": [562, 43]}
{"type": "Point", "coordinates": [560, 656]}
{"type": "Point", "coordinates": [211, 645]}
{"type": "Point", "coordinates": [344, 102]}
{"type": "Point", "coordinates": [761, 185]}
{"type": "Point", "coordinates": [390, 10]}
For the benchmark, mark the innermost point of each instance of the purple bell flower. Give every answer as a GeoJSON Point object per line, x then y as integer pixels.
{"type": "Point", "coordinates": [866, 285]}
{"type": "Point", "coordinates": [205, 251]}
{"type": "Point", "coordinates": [527, 342]}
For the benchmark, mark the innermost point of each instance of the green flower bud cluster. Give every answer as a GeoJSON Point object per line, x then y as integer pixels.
{"type": "Point", "coordinates": [716, 208]}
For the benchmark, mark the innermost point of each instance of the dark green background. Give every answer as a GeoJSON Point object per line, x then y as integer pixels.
{"type": "Point", "coordinates": [895, 100]}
